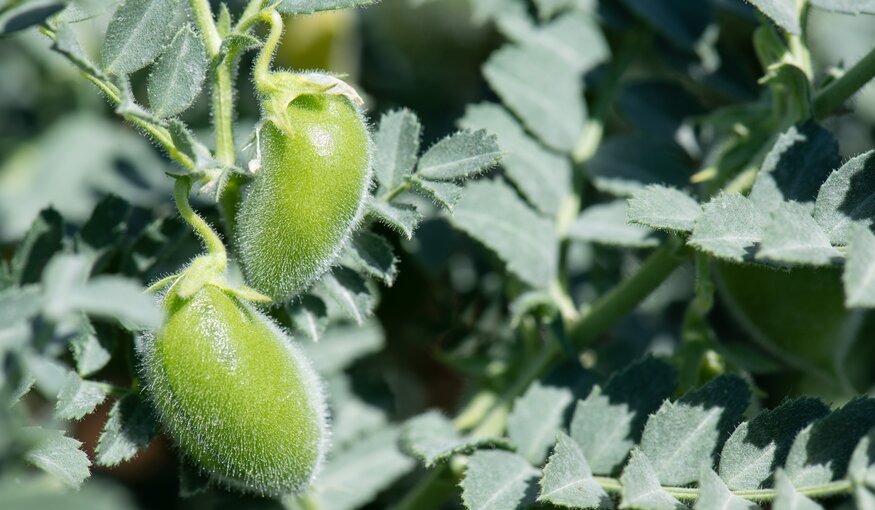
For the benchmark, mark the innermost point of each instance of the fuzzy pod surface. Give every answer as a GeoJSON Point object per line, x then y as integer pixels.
{"type": "Point", "coordinates": [306, 197]}
{"type": "Point", "coordinates": [235, 394]}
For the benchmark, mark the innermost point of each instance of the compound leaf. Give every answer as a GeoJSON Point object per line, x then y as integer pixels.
{"type": "Point", "coordinates": [609, 422]}
{"type": "Point", "coordinates": [821, 452]}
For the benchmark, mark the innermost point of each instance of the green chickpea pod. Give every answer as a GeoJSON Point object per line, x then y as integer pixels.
{"type": "Point", "coordinates": [310, 188]}
{"type": "Point", "coordinates": [236, 395]}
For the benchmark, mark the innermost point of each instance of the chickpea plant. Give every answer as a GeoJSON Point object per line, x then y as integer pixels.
{"type": "Point", "coordinates": [664, 290]}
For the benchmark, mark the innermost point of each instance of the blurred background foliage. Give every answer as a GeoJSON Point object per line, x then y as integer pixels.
{"type": "Point", "coordinates": [445, 319]}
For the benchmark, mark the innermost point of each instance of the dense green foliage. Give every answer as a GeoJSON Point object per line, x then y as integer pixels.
{"type": "Point", "coordinates": [493, 255]}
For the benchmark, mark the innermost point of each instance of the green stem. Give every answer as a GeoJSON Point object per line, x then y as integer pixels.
{"type": "Point", "coordinates": [203, 16]}
{"type": "Point", "coordinates": [623, 298]}
{"type": "Point", "coordinates": [614, 486]}
{"type": "Point", "coordinates": [492, 423]}
{"type": "Point", "coordinates": [435, 488]}
{"type": "Point", "coordinates": [212, 242]}
{"type": "Point", "coordinates": [223, 86]}
{"type": "Point", "coordinates": [592, 133]}
{"type": "Point", "coordinates": [831, 97]}
{"type": "Point", "coordinates": [157, 132]}
{"type": "Point", "coordinates": [223, 113]}
{"type": "Point", "coordinates": [261, 72]}
{"type": "Point", "coordinates": [250, 16]}
{"type": "Point", "coordinates": [397, 190]}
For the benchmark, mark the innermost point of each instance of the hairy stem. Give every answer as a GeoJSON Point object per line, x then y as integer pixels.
{"type": "Point", "coordinates": [223, 113]}
{"type": "Point", "coordinates": [831, 97]}
{"type": "Point", "coordinates": [261, 72]}
{"type": "Point", "coordinates": [212, 242]}
{"type": "Point", "coordinates": [203, 16]}
{"type": "Point", "coordinates": [223, 86]}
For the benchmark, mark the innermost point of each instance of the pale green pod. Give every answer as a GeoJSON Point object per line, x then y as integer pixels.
{"type": "Point", "coordinates": [238, 398]}
{"type": "Point", "coordinates": [306, 197]}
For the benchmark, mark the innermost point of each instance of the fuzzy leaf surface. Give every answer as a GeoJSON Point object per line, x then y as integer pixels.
{"type": "Point", "coordinates": [178, 75]}
{"type": "Point", "coordinates": [58, 455]}
{"type": "Point", "coordinates": [821, 452]}
{"type": "Point", "coordinates": [567, 480]}
{"type": "Point", "coordinates": [461, 155]}
{"type": "Point", "coordinates": [664, 208]}
{"type": "Point", "coordinates": [729, 227]}
{"type": "Point", "coordinates": [130, 428]}
{"type": "Point", "coordinates": [713, 493]}
{"type": "Point", "coordinates": [492, 213]}
{"type": "Point", "coordinates": [542, 176]}
{"type": "Point", "coordinates": [431, 438]}
{"type": "Point", "coordinates": [792, 236]}
{"type": "Point", "coordinates": [797, 165]}
{"type": "Point", "coordinates": [396, 144]}
{"type": "Point", "coordinates": [859, 274]}
{"type": "Point", "coordinates": [78, 397]}
{"type": "Point", "coordinates": [683, 437]}
{"type": "Point", "coordinates": [757, 447]}
{"type": "Point", "coordinates": [536, 418]}
{"type": "Point", "coordinates": [521, 75]}
{"type": "Point", "coordinates": [137, 33]}
{"type": "Point", "coordinates": [609, 422]}
{"type": "Point", "coordinates": [846, 199]}
{"type": "Point", "coordinates": [607, 224]}
{"type": "Point", "coordinates": [497, 480]}
{"type": "Point", "coordinates": [641, 487]}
